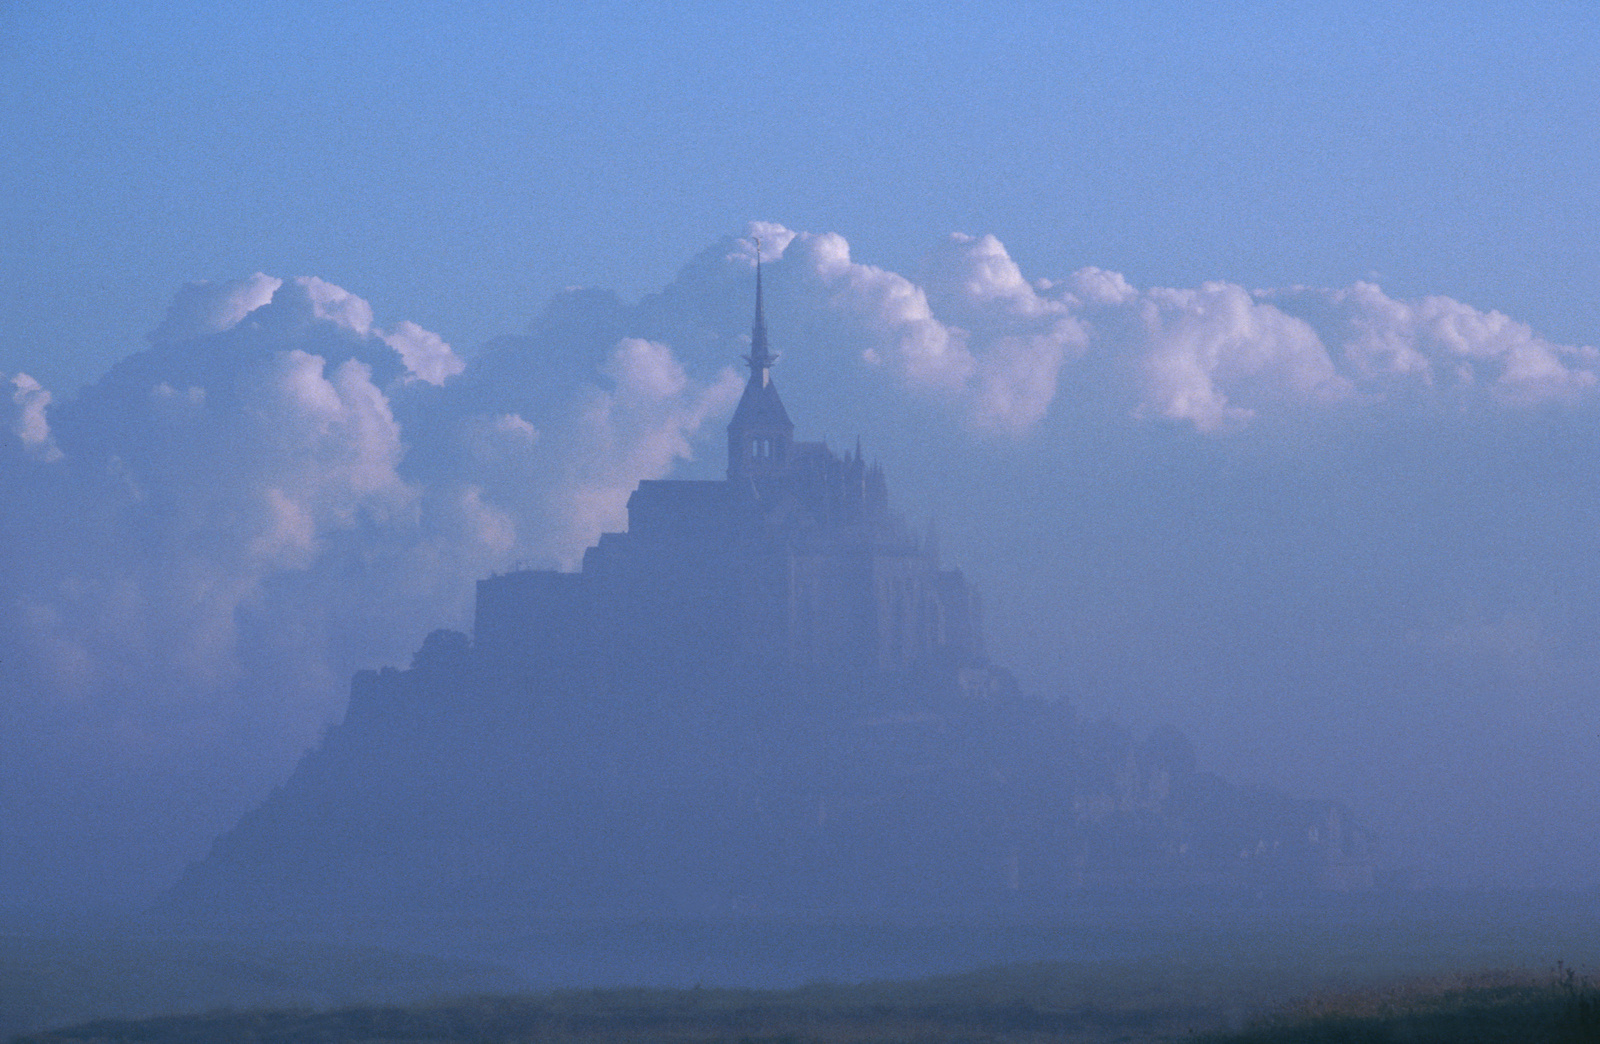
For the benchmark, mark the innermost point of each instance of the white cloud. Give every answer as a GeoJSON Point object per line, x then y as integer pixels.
{"type": "Point", "coordinates": [905, 338]}
{"type": "Point", "coordinates": [557, 473]}
{"type": "Point", "coordinates": [487, 526]}
{"type": "Point", "coordinates": [335, 453]}
{"type": "Point", "coordinates": [336, 304]}
{"type": "Point", "coordinates": [978, 333]}
{"type": "Point", "coordinates": [1442, 346]}
{"type": "Point", "coordinates": [211, 486]}
{"type": "Point", "coordinates": [28, 421]}
{"type": "Point", "coordinates": [1199, 350]}
{"type": "Point", "coordinates": [270, 498]}
{"type": "Point", "coordinates": [972, 278]}
{"type": "Point", "coordinates": [645, 372]}
{"type": "Point", "coordinates": [773, 237]}
{"type": "Point", "coordinates": [206, 308]}
{"type": "Point", "coordinates": [1097, 286]}
{"type": "Point", "coordinates": [426, 354]}
{"type": "Point", "coordinates": [1017, 376]}
{"type": "Point", "coordinates": [1019, 339]}
{"type": "Point", "coordinates": [638, 430]}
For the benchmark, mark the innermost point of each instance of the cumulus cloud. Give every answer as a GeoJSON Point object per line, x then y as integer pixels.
{"type": "Point", "coordinates": [336, 304]}
{"type": "Point", "coordinates": [974, 334]}
{"type": "Point", "coordinates": [176, 507]}
{"type": "Point", "coordinates": [281, 489]}
{"type": "Point", "coordinates": [772, 238]}
{"type": "Point", "coordinates": [974, 331]}
{"type": "Point", "coordinates": [570, 489]}
{"type": "Point", "coordinates": [205, 307]}
{"type": "Point", "coordinates": [906, 337]}
{"type": "Point", "coordinates": [28, 422]}
{"type": "Point", "coordinates": [1441, 345]}
{"type": "Point", "coordinates": [426, 354]}
{"type": "Point", "coordinates": [1200, 350]}
{"type": "Point", "coordinates": [232, 521]}
{"type": "Point", "coordinates": [334, 455]}
{"type": "Point", "coordinates": [264, 452]}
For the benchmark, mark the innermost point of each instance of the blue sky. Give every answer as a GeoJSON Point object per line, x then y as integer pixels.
{"type": "Point", "coordinates": [1268, 410]}
{"type": "Point", "coordinates": [457, 163]}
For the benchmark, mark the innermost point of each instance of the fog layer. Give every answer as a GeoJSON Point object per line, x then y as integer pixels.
{"type": "Point", "coordinates": [1346, 541]}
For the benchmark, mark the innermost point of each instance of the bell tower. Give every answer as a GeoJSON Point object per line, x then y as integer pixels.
{"type": "Point", "coordinates": [760, 434]}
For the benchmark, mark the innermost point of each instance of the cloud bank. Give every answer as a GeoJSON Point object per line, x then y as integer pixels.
{"type": "Point", "coordinates": [279, 490]}
{"type": "Point", "coordinates": [978, 334]}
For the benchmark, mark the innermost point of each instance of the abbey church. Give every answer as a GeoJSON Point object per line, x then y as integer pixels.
{"type": "Point", "coordinates": [794, 562]}
{"type": "Point", "coordinates": [766, 695]}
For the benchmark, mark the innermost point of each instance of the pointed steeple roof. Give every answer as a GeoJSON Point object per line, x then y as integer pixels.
{"type": "Point", "coordinates": [760, 406]}
{"type": "Point", "coordinates": [760, 358]}
{"type": "Point", "coordinates": [760, 432]}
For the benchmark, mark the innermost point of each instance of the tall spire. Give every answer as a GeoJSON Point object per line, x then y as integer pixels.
{"type": "Point", "coordinates": [760, 433]}
{"type": "Point", "coordinates": [760, 358]}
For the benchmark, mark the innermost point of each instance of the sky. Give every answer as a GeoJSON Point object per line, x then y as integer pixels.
{"type": "Point", "coordinates": [1239, 353]}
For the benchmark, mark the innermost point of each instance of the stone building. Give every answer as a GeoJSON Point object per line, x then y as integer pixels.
{"type": "Point", "coordinates": [793, 562]}
{"type": "Point", "coordinates": [765, 695]}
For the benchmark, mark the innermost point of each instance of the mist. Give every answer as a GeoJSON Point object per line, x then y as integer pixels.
{"type": "Point", "coordinates": [1344, 541]}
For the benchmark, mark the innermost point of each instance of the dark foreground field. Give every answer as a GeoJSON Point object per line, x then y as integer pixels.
{"type": "Point", "coordinates": [1017, 1005]}
{"type": "Point", "coordinates": [1485, 1009]}
{"type": "Point", "coordinates": [1132, 973]}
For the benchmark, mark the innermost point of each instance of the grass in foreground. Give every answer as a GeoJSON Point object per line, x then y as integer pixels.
{"type": "Point", "coordinates": [635, 1017]}
{"type": "Point", "coordinates": [1484, 1009]}
{"type": "Point", "coordinates": [947, 1010]}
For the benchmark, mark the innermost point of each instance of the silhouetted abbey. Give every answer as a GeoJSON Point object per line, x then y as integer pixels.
{"type": "Point", "coordinates": [794, 562]}
{"type": "Point", "coordinates": [765, 695]}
